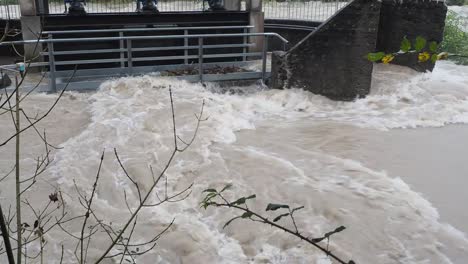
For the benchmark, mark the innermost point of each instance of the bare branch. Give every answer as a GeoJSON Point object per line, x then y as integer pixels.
{"type": "Point", "coordinates": [6, 238]}
{"type": "Point", "coordinates": [44, 115]}
{"type": "Point", "coordinates": [89, 203]}
{"type": "Point", "coordinates": [126, 174]}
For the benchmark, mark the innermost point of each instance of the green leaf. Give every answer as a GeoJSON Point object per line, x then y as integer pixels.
{"type": "Point", "coordinates": [209, 197]}
{"type": "Point", "coordinates": [374, 57]}
{"type": "Point", "coordinates": [339, 229]}
{"type": "Point", "coordinates": [297, 209]}
{"type": "Point", "coordinates": [420, 43]}
{"type": "Point", "coordinates": [251, 197]}
{"type": "Point", "coordinates": [279, 217]}
{"type": "Point", "coordinates": [230, 221]}
{"type": "Point", "coordinates": [228, 186]}
{"type": "Point", "coordinates": [434, 58]}
{"type": "Point", "coordinates": [242, 200]}
{"type": "Point", "coordinates": [274, 207]}
{"type": "Point", "coordinates": [433, 46]}
{"type": "Point", "coordinates": [239, 201]}
{"type": "Point", "coordinates": [209, 191]}
{"type": "Point", "coordinates": [206, 204]}
{"type": "Point", "coordinates": [405, 45]}
{"type": "Point", "coordinates": [246, 215]}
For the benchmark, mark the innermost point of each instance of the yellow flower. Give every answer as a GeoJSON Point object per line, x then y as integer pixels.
{"type": "Point", "coordinates": [424, 56]}
{"type": "Point", "coordinates": [387, 58]}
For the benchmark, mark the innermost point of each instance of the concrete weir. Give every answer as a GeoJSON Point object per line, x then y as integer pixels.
{"type": "Point", "coordinates": [331, 61]}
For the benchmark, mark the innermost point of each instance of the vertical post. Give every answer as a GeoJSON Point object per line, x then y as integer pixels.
{"type": "Point", "coordinates": [32, 22]}
{"type": "Point", "coordinates": [121, 47]}
{"type": "Point", "coordinates": [186, 43]}
{"type": "Point", "coordinates": [244, 49]}
{"type": "Point", "coordinates": [52, 77]}
{"type": "Point", "coordinates": [200, 59]}
{"type": "Point", "coordinates": [254, 7]}
{"type": "Point", "coordinates": [40, 5]}
{"type": "Point", "coordinates": [232, 5]}
{"type": "Point", "coordinates": [129, 56]}
{"type": "Point", "coordinates": [264, 57]}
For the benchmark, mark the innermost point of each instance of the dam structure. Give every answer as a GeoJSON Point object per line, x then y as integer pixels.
{"type": "Point", "coordinates": [320, 46]}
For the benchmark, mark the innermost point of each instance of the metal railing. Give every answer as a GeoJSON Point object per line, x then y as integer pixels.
{"type": "Point", "coordinates": [316, 10]}
{"type": "Point", "coordinates": [128, 58]}
{"type": "Point", "coordinates": [9, 9]}
{"type": "Point", "coordinates": [125, 6]}
{"type": "Point", "coordinates": [302, 10]}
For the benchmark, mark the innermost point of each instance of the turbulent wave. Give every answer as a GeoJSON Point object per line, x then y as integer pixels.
{"type": "Point", "coordinates": [247, 141]}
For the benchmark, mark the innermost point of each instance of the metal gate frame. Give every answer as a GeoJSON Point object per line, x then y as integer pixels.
{"type": "Point", "coordinates": [91, 79]}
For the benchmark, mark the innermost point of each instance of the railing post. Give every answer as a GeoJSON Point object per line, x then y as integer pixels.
{"type": "Point", "coordinates": [52, 77]}
{"type": "Point", "coordinates": [244, 50]}
{"type": "Point", "coordinates": [121, 47]}
{"type": "Point", "coordinates": [264, 57]}
{"type": "Point", "coordinates": [186, 42]}
{"type": "Point", "coordinates": [129, 56]}
{"type": "Point", "coordinates": [200, 59]}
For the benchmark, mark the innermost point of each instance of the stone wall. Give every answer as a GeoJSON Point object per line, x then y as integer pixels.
{"type": "Point", "coordinates": [411, 19]}
{"type": "Point", "coordinates": [331, 61]}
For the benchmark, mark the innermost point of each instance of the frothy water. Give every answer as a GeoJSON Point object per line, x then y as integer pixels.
{"type": "Point", "coordinates": [260, 141]}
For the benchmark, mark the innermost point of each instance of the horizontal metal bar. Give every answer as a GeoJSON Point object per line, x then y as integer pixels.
{"type": "Point", "coordinates": [165, 58]}
{"type": "Point", "coordinates": [195, 47]}
{"type": "Point", "coordinates": [287, 26]}
{"type": "Point", "coordinates": [143, 38]}
{"type": "Point", "coordinates": [94, 84]}
{"type": "Point", "coordinates": [228, 55]}
{"type": "Point", "coordinates": [78, 62]}
{"type": "Point", "coordinates": [147, 49]}
{"type": "Point", "coordinates": [9, 68]}
{"type": "Point", "coordinates": [211, 56]}
{"type": "Point", "coordinates": [141, 29]}
{"type": "Point", "coordinates": [112, 72]}
{"type": "Point", "coordinates": [32, 64]}
{"type": "Point", "coordinates": [71, 52]}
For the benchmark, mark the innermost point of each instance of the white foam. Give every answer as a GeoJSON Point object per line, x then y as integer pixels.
{"type": "Point", "coordinates": [389, 222]}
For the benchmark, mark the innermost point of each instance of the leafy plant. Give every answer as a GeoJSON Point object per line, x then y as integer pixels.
{"type": "Point", "coordinates": [424, 50]}
{"type": "Point", "coordinates": [455, 39]}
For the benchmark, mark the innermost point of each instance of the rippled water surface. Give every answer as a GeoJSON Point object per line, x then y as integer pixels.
{"type": "Point", "coordinates": [382, 166]}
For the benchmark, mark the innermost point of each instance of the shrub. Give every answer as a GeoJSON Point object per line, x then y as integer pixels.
{"type": "Point", "coordinates": [455, 39]}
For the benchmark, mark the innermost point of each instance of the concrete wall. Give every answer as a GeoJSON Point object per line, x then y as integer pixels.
{"type": "Point", "coordinates": [331, 61]}
{"type": "Point", "coordinates": [410, 18]}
